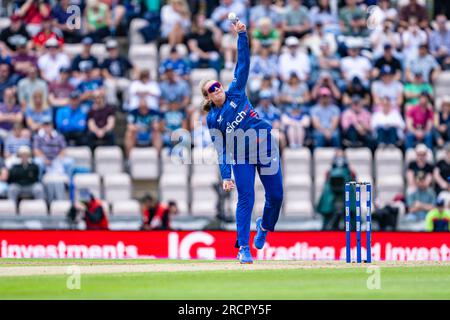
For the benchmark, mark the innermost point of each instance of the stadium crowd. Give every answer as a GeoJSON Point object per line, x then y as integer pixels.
{"type": "Point", "coordinates": [324, 72]}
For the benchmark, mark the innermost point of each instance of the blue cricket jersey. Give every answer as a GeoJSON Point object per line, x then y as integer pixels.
{"type": "Point", "coordinates": [237, 111]}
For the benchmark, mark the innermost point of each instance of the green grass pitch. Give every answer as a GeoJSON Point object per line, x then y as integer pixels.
{"type": "Point", "coordinates": [403, 282]}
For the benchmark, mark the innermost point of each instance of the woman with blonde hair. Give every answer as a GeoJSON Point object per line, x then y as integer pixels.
{"type": "Point", "coordinates": [38, 112]}
{"type": "Point", "coordinates": [231, 117]}
{"type": "Point", "coordinates": [175, 21]}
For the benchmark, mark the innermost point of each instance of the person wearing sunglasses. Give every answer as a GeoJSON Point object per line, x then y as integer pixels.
{"type": "Point", "coordinates": [231, 120]}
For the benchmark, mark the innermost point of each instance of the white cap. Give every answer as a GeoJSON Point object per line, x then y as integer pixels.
{"type": "Point", "coordinates": [292, 41]}
{"type": "Point", "coordinates": [52, 42]}
{"type": "Point", "coordinates": [421, 148]}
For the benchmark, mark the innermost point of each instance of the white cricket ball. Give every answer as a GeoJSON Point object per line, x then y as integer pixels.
{"type": "Point", "coordinates": [232, 16]}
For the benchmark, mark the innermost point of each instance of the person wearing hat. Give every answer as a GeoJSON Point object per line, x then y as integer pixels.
{"type": "Point", "coordinates": [296, 21]}
{"type": "Point", "coordinates": [10, 34]}
{"type": "Point", "coordinates": [438, 218]}
{"type": "Point", "coordinates": [355, 124]}
{"type": "Point", "coordinates": [91, 83]}
{"type": "Point", "coordinates": [265, 31]}
{"type": "Point", "coordinates": [85, 55]}
{"type": "Point", "coordinates": [175, 89]}
{"type": "Point", "coordinates": [423, 62]}
{"type": "Point", "coordinates": [294, 60]}
{"type": "Point", "coordinates": [116, 70]}
{"type": "Point", "coordinates": [71, 121]}
{"type": "Point", "coordinates": [442, 122]}
{"type": "Point", "coordinates": [47, 32]}
{"type": "Point", "coordinates": [157, 215]}
{"type": "Point", "coordinates": [325, 120]}
{"type": "Point", "coordinates": [175, 61]}
{"type": "Point", "coordinates": [51, 62]}
{"type": "Point", "coordinates": [387, 124]}
{"type": "Point", "coordinates": [387, 86]}
{"type": "Point", "coordinates": [92, 210]}
{"type": "Point", "coordinates": [421, 200]}
{"type": "Point", "coordinates": [356, 65]}
{"type": "Point", "coordinates": [60, 90]}
{"type": "Point", "coordinates": [419, 165]}
{"type": "Point", "coordinates": [413, 90]}
{"type": "Point", "coordinates": [23, 59]}
{"type": "Point", "coordinates": [387, 58]}
{"type": "Point", "coordinates": [23, 177]}
{"type": "Point", "coordinates": [419, 123]}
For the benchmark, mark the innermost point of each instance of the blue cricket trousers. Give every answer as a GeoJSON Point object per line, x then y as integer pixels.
{"type": "Point", "coordinates": [244, 175]}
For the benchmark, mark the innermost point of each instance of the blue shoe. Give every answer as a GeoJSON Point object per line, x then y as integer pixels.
{"type": "Point", "coordinates": [244, 255]}
{"type": "Point", "coordinates": [260, 237]}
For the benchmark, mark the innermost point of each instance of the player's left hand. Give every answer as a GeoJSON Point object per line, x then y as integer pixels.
{"type": "Point", "coordinates": [240, 27]}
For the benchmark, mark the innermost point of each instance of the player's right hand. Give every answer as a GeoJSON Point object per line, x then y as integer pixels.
{"type": "Point", "coordinates": [228, 185]}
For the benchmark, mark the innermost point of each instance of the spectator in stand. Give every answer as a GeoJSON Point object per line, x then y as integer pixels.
{"type": "Point", "coordinates": [143, 128]}
{"type": "Point", "coordinates": [23, 60]}
{"type": "Point", "coordinates": [419, 123]}
{"type": "Point", "coordinates": [204, 44]}
{"type": "Point", "coordinates": [325, 81]}
{"type": "Point", "coordinates": [264, 9]}
{"type": "Point", "coordinates": [265, 32]}
{"type": "Point", "coordinates": [296, 122]}
{"type": "Point", "coordinates": [60, 90]}
{"type": "Point", "coordinates": [91, 83]}
{"type": "Point", "coordinates": [97, 17]}
{"type": "Point", "coordinates": [17, 138]}
{"type": "Point", "coordinates": [271, 84]}
{"type": "Point", "coordinates": [386, 11]}
{"type": "Point", "coordinates": [37, 112]}
{"type": "Point", "coordinates": [92, 210]}
{"type": "Point", "coordinates": [442, 122]}
{"type": "Point", "coordinates": [294, 60]}
{"type": "Point", "coordinates": [390, 60]}
{"type": "Point", "coordinates": [319, 38]}
{"type": "Point", "coordinates": [358, 29]}
{"type": "Point", "coordinates": [172, 120]}
{"type": "Point", "coordinates": [414, 89]}
{"type": "Point", "coordinates": [117, 22]}
{"type": "Point", "coordinates": [325, 61]}
{"type": "Point", "coordinates": [323, 14]}
{"type": "Point", "coordinates": [63, 21]}
{"type": "Point", "coordinates": [85, 55]}
{"type": "Point", "coordinates": [175, 61]}
{"type": "Point", "coordinates": [47, 33]}
{"type": "Point", "coordinates": [10, 113]}
{"type": "Point", "coordinates": [220, 13]}
{"type": "Point", "coordinates": [7, 80]}
{"type": "Point", "coordinates": [412, 38]}
{"type": "Point", "coordinates": [29, 85]}
{"type": "Point", "coordinates": [296, 20]}
{"type": "Point", "coordinates": [440, 42]}
{"type": "Point", "coordinates": [201, 137]}
{"type": "Point", "coordinates": [33, 13]}
{"type": "Point", "coordinates": [101, 121]}
{"type": "Point", "coordinates": [385, 37]}
{"type": "Point", "coordinates": [419, 166]}
{"type": "Point", "coordinates": [146, 88]}
{"type": "Point", "coordinates": [355, 123]}
{"type": "Point", "coordinates": [356, 65]}
{"type": "Point", "coordinates": [356, 87]}
{"type": "Point", "coordinates": [116, 70]}
{"type": "Point", "coordinates": [229, 47]}
{"type": "Point", "coordinates": [424, 63]}
{"type": "Point", "coordinates": [3, 180]}
{"type": "Point", "coordinates": [71, 121]}
{"type": "Point", "coordinates": [51, 62]}
{"type": "Point", "coordinates": [420, 201]}
{"type": "Point", "coordinates": [387, 86]}
{"type": "Point", "coordinates": [413, 9]}
{"type": "Point", "coordinates": [14, 33]}
{"type": "Point", "coordinates": [347, 13]}
{"type": "Point", "coordinates": [438, 218]}
{"type": "Point", "coordinates": [387, 124]}
{"type": "Point", "coordinates": [442, 171]}
{"type": "Point", "coordinates": [267, 111]}
{"type": "Point", "coordinates": [325, 121]}
{"type": "Point", "coordinates": [294, 93]}
{"type": "Point", "coordinates": [264, 63]}
{"type": "Point", "coordinates": [23, 178]}
{"type": "Point", "coordinates": [175, 21]}
{"type": "Point", "coordinates": [49, 149]}
{"type": "Point", "coordinates": [156, 215]}
{"type": "Point", "coordinates": [174, 89]}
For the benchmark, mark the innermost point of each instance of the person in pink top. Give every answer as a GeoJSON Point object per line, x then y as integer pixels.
{"type": "Point", "coordinates": [355, 123]}
{"type": "Point", "coordinates": [419, 123]}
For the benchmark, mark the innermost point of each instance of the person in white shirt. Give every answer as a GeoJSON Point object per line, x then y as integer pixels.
{"type": "Point", "coordinates": [385, 35]}
{"type": "Point", "coordinates": [355, 65]}
{"type": "Point", "coordinates": [294, 61]}
{"type": "Point", "coordinates": [52, 61]}
{"type": "Point", "coordinates": [318, 37]}
{"type": "Point", "coordinates": [175, 21]}
{"type": "Point", "coordinates": [387, 86]}
{"type": "Point", "coordinates": [144, 87]}
{"type": "Point", "coordinates": [412, 38]}
{"type": "Point", "coordinates": [387, 124]}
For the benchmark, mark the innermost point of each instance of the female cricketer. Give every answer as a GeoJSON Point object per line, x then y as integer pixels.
{"type": "Point", "coordinates": [230, 112]}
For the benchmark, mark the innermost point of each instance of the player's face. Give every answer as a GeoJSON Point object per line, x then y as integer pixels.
{"type": "Point", "coordinates": [215, 92]}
